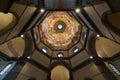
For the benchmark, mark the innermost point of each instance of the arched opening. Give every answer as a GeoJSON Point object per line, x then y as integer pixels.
{"type": "Point", "coordinates": [7, 22]}
{"type": "Point", "coordinates": [14, 47]}
{"type": "Point", "coordinates": [106, 47]}
{"type": "Point", "coordinates": [60, 73]}
{"type": "Point", "coordinates": [17, 46]}
{"type": "Point", "coordinates": [111, 20]}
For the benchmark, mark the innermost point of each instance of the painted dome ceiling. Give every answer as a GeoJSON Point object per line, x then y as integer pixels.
{"type": "Point", "coordinates": [59, 30]}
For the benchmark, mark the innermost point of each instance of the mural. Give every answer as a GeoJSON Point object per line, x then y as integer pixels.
{"type": "Point", "coordinates": [59, 30]}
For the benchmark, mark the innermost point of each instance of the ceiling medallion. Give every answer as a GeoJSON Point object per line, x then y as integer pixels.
{"type": "Point", "coordinates": [59, 30]}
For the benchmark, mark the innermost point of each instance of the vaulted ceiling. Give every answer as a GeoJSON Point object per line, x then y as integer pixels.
{"type": "Point", "coordinates": [47, 33]}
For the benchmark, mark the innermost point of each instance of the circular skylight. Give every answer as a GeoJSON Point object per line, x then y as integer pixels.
{"type": "Point", "coordinates": [44, 50]}
{"type": "Point", "coordinates": [60, 26]}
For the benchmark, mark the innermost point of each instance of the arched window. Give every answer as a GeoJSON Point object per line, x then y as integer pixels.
{"type": "Point", "coordinates": [114, 69]}
{"type": "Point", "coordinates": [60, 54]}
{"type": "Point", "coordinates": [35, 36]}
{"type": "Point", "coordinates": [84, 36]}
{"type": "Point", "coordinates": [44, 50]}
{"type": "Point", "coordinates": [75, 49]}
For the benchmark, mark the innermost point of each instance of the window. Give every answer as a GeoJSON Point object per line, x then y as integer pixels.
{"type": "Point", "coordinates": [35, 36]}
{"type": "Point", "coordinates": [60, 54]}
{"type": "Point", "coordinates": [5, 69]}
{"type": "Point", "coordinates": [84, 36]}
{"type": "Point", "coordinates": [75, 50]}
{"type": "Point", "coordinates": [114, 69]}
{"type": "Point", "coordinates": [0, 59]}
{"type": "Point", "coordinates": [45, 50]}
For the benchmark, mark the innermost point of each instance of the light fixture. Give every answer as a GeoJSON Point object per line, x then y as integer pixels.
{"type": "Point", "coordinates": [42, 10]}
{"type": "Point", "coordinates": [22, 35]}
{"type": "Point", "coordinates": [28, 57]}
{"type": "Point", "coordinates": [97, 35]}
{"type": "Point", "coordinates": [77, 10]}
{"type": "Point", "coordinates": [44, 50]}
{"type": "Point", "coordinates": [91, 57]}
{"type": "Point", "coordinates": [99, 56]}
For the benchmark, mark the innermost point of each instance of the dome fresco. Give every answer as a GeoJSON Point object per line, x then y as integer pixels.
{"type": "Point", "coordinates": [59, 30]}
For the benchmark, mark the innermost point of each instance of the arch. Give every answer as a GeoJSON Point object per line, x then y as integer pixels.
{"type": "Point", "coordinates": [106, 47]}
{"type": "Point", "coordinates": [111, 20]}
{"type": "Point", "coordinates": [91, 45]}
{"type": "Point", "coordinates": [14, 47]}
{"type": "Point", "coordinates": [28, 45]}
{"type": "Point", "coordinates": [7, 21]}
{"type": "Point", "coordinates": [62, 63]}
{"type": "Point", "coordinates": [60, 73]}
{"type": "Point", "coordinates": [18, 46]}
